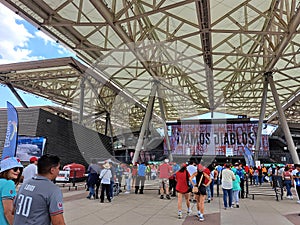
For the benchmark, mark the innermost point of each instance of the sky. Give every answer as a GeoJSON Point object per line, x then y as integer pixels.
{"type": "Point", "coordinates": [20, 42]}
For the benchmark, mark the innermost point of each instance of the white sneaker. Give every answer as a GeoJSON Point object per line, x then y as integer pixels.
{"type": "Point", "coordinates": [298, 201]}
{"type": "Point", "coordinates": [201, 217]}
{"type": "Point", "coordinates": [127, 192]}
{"type": "Point", "coordinates": [179, 215]}
{"type": "Point", "coordinates": [189, 212]}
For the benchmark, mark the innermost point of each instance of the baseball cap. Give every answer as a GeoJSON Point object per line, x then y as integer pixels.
{"type": "Point", "coordinates": [166, 160]}
{"type": "Point", "coordinates": [33, 159]}
{"type": "Point", "coordinates": [9, 163]}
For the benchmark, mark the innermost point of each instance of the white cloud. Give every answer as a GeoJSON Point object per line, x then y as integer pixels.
{"type": "Point", "coordinates": [46, 38]}
{"type": "Point", "coordinates": [14, 38]}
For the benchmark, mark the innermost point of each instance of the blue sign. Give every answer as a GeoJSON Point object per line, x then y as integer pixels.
{"type": "Point", "coordinates": [248, 156]}
{"type": "Point", "coordinates": [10, 144]}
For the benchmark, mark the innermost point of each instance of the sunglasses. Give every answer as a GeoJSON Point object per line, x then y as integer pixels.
{"type": "Point", "coordinates": [16, 169]}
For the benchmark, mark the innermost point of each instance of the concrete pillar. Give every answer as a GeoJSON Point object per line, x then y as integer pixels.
{"type": "Point", "coordinates": [145, 124]}
{"type": "Point", "coordinates": [284, 125]}
{"type": "Point", "coordinates": [163, 115]}
{"type": "Point", "coordinates": [261, 117]}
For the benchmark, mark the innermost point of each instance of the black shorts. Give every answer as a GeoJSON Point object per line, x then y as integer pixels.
{"type": "Point", "coordinates": [201, 190]}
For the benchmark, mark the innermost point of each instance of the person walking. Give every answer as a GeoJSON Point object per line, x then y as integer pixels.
{"type": "Point", "coordinates": [10, 175]}
{"type": "Point", "coordinates": [105, 177]}
{"type": "Point", "coordinates": [202, 185]}
{"type": "Point", "coordinates": [39, 200]}
{"type": "Point", "coordinates": [182, 185]}
{"type": "Point", "coordinates": [287, 181]}
{"type": "Point", "coordinates": [31, 170]}
{"type": "Point", "coordinates": [227, 178]}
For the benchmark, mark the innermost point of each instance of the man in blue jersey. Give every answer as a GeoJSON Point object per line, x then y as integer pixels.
{"type": "Point", "coordinates": [39, 200]}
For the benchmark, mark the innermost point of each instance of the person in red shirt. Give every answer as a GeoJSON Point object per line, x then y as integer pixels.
{"type": "Point", "coordinates": [165, 171]}
{"type": "Point", "coordinates": [182, 178]}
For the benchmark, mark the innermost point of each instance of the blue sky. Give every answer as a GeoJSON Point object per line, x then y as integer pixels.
{"type": "Point", "coordinates": [20, 42]}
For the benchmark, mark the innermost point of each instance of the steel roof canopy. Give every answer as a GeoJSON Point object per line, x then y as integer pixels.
{"type": "Point", "coordinates": [208, 56]}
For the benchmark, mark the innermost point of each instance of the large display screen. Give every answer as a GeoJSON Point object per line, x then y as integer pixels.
{"type": "Point", "coordinates": [30, 146]}
{"type": "Point", "coordinates": [215, 139]}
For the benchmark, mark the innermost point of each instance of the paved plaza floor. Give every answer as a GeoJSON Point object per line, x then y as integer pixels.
{"type": "Point", "coordinates": [148, 209]}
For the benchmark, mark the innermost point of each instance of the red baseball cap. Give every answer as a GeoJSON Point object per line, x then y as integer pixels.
{"type": "Point", "coordinates": [33, 159]}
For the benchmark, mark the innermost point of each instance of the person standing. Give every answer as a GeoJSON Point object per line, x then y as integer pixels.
{"type": "Point", "coordinates": [236, 188]}
{"type": "Point", "coordinates": [172, 179]}
{"type": "Point", "coordinates": [287, 181]}
{"type": "Point", "coordinates": [127, 175]}
{"type": "Point", "coordinates": [141, 176]}
{"type": "Point", "coordinates": [182, 185]}
{"type": "Point", "coordinates": [112, 179]}
{"type": "Point", "coordinates": [296, 180]}
{"type": "Point", "coordinates": [192, 168]}
{"type": "Point", "coordinates": [31, 170]}
{"type": "Point", "coordinates": [39, 200]}
{"type": "Point", "coordinates": [214, 178]}
{"type": "Point", "coordinates": [93, 171]}
{"type": "Point", "coordinates": [119, 174]}
{"type": "Point", "coordinates": [227, 178]}
{"type": "Point", "coordinates": [165, 171]}
{"type": "Point", "coordinates": [105, 177]}
{"type": "Point", "coordinates": [242, 174]}
{"type": "Point", "coordinates": [10, 175]}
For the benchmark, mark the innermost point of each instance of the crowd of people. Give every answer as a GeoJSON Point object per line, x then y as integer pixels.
{"type": "Point", "coordinates": [38, 200]}
{"type": "Point", "coordinates": [179, 181]}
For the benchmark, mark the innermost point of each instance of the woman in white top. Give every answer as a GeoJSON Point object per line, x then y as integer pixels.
{"type": "Point", "coordinates": [105, 176]}
{"type": "Point", "coordinates": [227, 178]}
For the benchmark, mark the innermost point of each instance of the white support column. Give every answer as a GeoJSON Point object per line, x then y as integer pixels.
{"type": "Point", "coordinates": [261, 116]}
{"type": "Point", "coordinates": [81, 103]}
{"type": "Point", "coordinates": [163, 115]}
{"type": "Point", "coordinates": [285, 128]}
{"type": "Point", "coordinates": [145, 124]}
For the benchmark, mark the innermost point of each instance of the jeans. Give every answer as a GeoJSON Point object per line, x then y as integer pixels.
{"type": "Point", "coordinates": [128, 184]}
{"type": "Point", "coordinates": [236, 197]}
{"type": "Point", "coordinates": [208, 193]}
{"type": "Point", "coordinates": [255, 179]}
{"type": "Point", "coordinates": [211, 186]}
{"type": "Point", "coordinates": [92, 191]}
{"type": "Point", "coordinates": [112, 189]}
{"type": "Point", "coordinates": [227, 193]}
{"type": "Point", "coordinates": [288, 184]}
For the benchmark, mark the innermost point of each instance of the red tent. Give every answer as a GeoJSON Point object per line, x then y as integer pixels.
{"type": "Point", "coordinates": [75, 167]}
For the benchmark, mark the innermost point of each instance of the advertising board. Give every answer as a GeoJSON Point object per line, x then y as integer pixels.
{"type": "Point", "coordinates": [214, 138]}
